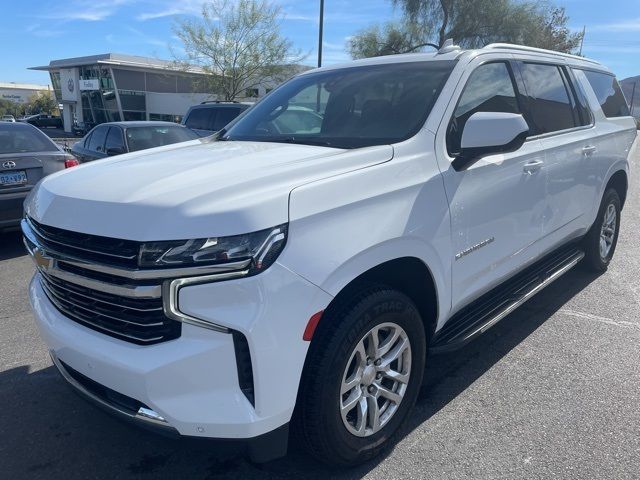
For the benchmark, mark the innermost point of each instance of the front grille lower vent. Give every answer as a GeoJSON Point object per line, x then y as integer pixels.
{"type": "Point", "coordinates": [137, 320]}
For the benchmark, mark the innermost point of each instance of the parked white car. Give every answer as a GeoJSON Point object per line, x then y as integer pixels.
{"type": "Point", "coordinates": [233, 286]}
{"type": "Point", "coordinates": [8, 119]}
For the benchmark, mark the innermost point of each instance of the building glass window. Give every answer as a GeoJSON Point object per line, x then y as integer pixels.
{"type": "Point", "coordinates": [55, 83]}
{"type": "Point", "coordinates": [99, 106]}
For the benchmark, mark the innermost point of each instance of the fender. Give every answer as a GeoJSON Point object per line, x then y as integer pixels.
{"type": "Point", "coordinates": [358, 220]}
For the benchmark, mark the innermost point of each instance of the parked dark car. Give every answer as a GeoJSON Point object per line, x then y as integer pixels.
{"type": "Point", "coordinates": [26, 155]}
{"type": "Point", "coordinates": [210, 117]}
{"type": "Point", "coordinates": [43, 120]}
{"type": "Point", "coordinates": [115, 138]}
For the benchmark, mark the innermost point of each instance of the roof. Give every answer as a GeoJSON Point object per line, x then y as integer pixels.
{"type": "Point", "coordinates": [115, 59]}
{"type": "Point", "coordinates": [453, 53]}
{"type": "Point", "coordinates": [23, 86]}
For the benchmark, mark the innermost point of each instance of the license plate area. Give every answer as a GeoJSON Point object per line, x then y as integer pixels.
{"type": "Point", "coordinates": [13, 178]}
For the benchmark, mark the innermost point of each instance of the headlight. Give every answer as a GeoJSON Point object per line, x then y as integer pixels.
{"type": "Point", "coordinates": [262, 248]}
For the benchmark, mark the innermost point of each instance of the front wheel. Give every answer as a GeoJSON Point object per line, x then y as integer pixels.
{"type": "Point", "coordinates": [362, 376]}
{"type": "Point", "coordinates": [601, 240]}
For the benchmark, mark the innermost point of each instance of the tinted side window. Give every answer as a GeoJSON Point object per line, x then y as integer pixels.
{"type": "Point", "coordinates": [547, 98]}
{"type": "Point", "coordinates": [609, 94]}
{"type": "Point", "coordinates": [489, 89]}
{"type": "Point", "coordinates": [96, 142]}
{"type": "Point", "coordinates": [115, 139]}
{"type": "Point", "coordinates": [201, 119]}
{"type": "Point", "coordinates": [224, 116]}
{"type": "Point", "coordinates": [582, 106]}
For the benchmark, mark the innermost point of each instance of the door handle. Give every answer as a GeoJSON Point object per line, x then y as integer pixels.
{"type": "Point", "coordinates": [588, 150]}
{"type": "Point", "coordinates": [532, 167]}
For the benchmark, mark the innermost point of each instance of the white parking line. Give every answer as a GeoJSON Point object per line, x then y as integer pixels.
{"type": "Point", "coordinates": [598, 318]}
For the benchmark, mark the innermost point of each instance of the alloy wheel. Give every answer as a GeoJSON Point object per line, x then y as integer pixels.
{"type": "Point", "coordinates": [375, 379]}
{"type": "Point", "coordinates": [608, 230]}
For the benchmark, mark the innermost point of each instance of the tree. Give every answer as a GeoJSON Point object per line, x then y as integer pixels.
{"type": "Point", "coordinates": [238, 44]}
{"type": "Point", "coordinates": [471, 23]}
{"type": "Point", "coordinates": [42, 102]}
{"type": "Point", "coordinates": [7, 107]}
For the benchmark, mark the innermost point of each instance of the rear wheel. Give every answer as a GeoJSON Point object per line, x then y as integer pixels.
{"type": "Point", "coordinates": [601, 240]}
{"type": "Point", "coordinates": [362, 376]}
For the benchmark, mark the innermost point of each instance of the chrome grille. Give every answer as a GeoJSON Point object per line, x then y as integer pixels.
{"type": "Point", "coordinates": [92, 248]}
{"type": "Point", "coordinates": [125, 308]}
{"type": "Point", "coordinates": [140, 321]}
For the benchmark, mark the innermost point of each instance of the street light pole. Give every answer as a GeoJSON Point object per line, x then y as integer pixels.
{"type": "Point", "coordinates": [320, 33]}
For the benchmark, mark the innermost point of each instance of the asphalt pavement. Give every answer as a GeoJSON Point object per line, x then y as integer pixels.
{"type": "Point", "coordinates": [553, 391]}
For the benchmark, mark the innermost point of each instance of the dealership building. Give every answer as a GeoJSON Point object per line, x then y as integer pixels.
{"type": "Point", "coordinates": [114, 87]}
{"type": "Point", "coordinates": [20, 92]}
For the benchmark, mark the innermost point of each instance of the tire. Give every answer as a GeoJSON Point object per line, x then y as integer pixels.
{"type": "Point", "coordinates": [597, 256]}
{"type": "Point", "coordinates": [333, 359]}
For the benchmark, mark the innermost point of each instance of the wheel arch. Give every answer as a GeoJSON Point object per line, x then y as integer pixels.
{"type": "Point", "coordinates": [620, 182]}
{"type": "Point", "coordinates": [408, 275]}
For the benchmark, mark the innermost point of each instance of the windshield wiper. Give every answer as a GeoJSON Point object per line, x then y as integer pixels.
{"type": "Point", "coordinates": [301, 141]}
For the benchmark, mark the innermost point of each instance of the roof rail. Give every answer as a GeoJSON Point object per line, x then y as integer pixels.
{"type": "Point", "coordinates": [510, 46]}
{"type": "Point", "coordinates": [219, 101]}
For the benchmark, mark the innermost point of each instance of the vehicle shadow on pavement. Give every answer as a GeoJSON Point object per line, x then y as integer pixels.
{"type": "Point", "coordinates": [11, 245]}
{"type": "Point", "coordinates": [46, 431]}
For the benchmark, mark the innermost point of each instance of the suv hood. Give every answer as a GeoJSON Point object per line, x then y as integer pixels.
{"type": "Point", "coordinates": [195, 189]}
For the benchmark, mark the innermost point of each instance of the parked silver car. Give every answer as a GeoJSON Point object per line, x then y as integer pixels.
{"type": "Point", "coordinates": [26, 155]}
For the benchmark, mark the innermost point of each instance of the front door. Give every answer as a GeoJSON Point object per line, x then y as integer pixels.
{"type": "Point", "coordinates": [497, 205]}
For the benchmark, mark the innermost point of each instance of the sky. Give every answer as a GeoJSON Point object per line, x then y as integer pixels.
{"type": "Point", "coordinates": [34, 32]}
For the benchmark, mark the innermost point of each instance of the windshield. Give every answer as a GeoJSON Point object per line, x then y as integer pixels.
{"type": "Point", "coordinates": [347, 108]}
{"type": "Point", "coordinates": [141, 138]}
{"type": "Point", "coordinates": [21, 138]}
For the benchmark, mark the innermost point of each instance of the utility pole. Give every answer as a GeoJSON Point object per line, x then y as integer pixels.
{"type": "Point", "coordinates": [320, 33]}
{"type": "Point", "coordinates": [584, 29]}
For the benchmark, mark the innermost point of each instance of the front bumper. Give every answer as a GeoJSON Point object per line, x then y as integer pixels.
{"type": "Point", "coordinates": [11, 209]}
{"type": "Point", "coordinates": [192, 382]}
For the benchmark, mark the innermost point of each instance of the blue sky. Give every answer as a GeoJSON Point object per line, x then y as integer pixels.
{"type": "Point", "coordinates": [34, 32]}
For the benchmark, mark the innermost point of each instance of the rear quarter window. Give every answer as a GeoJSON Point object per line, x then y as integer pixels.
{"type": "Point", "coordinates": [609, 94]}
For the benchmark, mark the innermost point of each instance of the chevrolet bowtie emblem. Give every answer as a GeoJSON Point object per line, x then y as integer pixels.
{"type": "Point", "coordinates": [41, 259]}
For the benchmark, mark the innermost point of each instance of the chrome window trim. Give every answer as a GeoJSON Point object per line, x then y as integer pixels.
{"type": "Point", "coordinates": [560, 132]}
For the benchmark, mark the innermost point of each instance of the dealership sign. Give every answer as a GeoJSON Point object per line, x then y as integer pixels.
{"type": "Point", "coordinates": [93, 84]}
{"type": "Point", "coordinates": [69, 84]}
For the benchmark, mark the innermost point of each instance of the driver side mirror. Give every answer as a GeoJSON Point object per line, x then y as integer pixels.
{"type": "Point", "coordinates": [489, 133]}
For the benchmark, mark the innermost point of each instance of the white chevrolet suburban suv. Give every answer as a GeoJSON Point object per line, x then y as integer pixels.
{"type": "Point", "coordinates": [291, 277]}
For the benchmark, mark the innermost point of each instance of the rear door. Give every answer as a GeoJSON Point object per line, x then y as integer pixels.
{"type": "Point", "coordinates": [615, 129]}
{"type": "Point", "coordinates": [95, 148]}
{"type": "Point", "coordinates": [557, 114]}
{"type": "Point", "coordinates": [114, 144]}
{"type": "Point", "coordinates": [497, 204]}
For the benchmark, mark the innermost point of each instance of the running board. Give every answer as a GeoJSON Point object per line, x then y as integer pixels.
{"type": "Point", "coordinates": [485, 312]}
